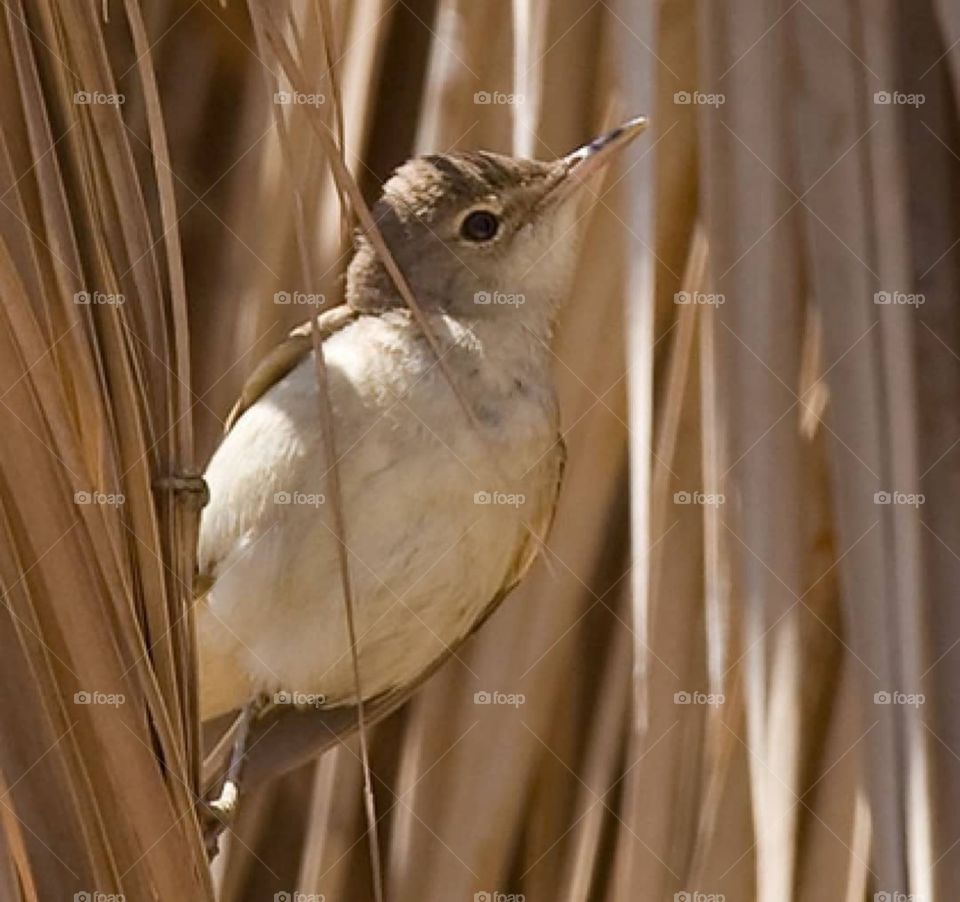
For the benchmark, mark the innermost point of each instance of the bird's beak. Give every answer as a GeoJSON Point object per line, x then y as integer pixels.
{"type": "Point", "coordinates": [579, 167]}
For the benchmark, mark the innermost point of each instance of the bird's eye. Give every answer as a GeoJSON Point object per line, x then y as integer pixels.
{"type": "Point", "coordinates": [480, 225]}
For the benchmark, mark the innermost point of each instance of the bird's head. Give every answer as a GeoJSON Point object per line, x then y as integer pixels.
{"type": "Point", "coordinates": [477, 234]}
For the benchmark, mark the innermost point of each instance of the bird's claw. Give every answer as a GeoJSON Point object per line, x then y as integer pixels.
{"type": "Point", "coordinates": [191, 486]}
{"type": "Point", "coordinates": [216, 815]}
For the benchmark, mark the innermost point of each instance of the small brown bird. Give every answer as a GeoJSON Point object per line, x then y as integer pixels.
{"type": "Point", "coordinates": [443, 517]}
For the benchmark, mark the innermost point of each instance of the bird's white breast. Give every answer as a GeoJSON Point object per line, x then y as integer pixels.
{"type": "Point", "coordinates": [435, 512]}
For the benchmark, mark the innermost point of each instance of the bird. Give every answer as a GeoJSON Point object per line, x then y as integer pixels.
{"type": "Point", "coordinates": [448, 453]}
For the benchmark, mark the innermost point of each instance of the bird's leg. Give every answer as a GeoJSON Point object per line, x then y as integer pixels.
{"type": "Point", "coordinates": [222, 810]}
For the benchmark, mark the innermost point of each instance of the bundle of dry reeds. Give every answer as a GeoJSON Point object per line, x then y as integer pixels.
{"type": "Point", "coordinates": [732, 669]}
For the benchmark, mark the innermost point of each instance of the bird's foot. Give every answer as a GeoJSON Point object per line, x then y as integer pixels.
{"type": "Point", "coordinates": [216, 815]}
{"type": "Point", "coordinates": [191, 486]}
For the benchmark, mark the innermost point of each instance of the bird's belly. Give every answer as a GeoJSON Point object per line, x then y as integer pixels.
{"type": "Point", "coordinates": [431, 530]}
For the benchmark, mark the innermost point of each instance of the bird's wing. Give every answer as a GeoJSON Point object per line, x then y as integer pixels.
{"type": "Point", "coordinates": [278, 362]}
{"type": "Point", "coordinates": [285, 739]}
{"type": "Point", "coordinates": [285, 356]}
